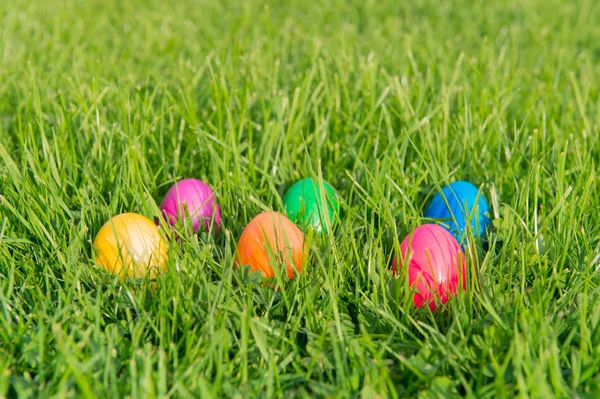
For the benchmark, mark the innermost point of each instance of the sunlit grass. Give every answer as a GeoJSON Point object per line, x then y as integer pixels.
{"type": "Point", "coordinates": [104, 104]}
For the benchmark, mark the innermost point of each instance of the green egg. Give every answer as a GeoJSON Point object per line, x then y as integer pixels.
{"type": "Point", "coordinates": [304, 204]}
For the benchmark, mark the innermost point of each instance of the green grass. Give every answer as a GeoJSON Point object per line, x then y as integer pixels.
{"type": "Point", "coordinates": [105, 103]}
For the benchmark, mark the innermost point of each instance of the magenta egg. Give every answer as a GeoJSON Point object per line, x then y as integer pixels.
{"type": "Point", "coordinates": [194, 200]}
{"type": "Point", "coordinates": [436, 264]}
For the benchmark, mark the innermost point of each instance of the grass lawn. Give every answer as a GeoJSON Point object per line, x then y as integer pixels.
{"type": "Point", "coordinates": [104, 104]}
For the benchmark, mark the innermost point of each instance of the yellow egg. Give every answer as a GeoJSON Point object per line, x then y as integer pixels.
{"type": "Point", "coordinates": [130, 245]}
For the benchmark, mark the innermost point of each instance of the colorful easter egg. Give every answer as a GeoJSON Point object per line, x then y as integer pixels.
{"type": "Point", "coordinates": [271, 240]}
{"type": "Point", "coordinates": [194, 200]}
{"type": "Point", "coordinates": [460, 208]}
{"type": "Point", "coordinates": [309, 206]}
{"type": "Point", "coordinates": [435, 263]}
{"type": "Point", "coordinates": [130, 245]}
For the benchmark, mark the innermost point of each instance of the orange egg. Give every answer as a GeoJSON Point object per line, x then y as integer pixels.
{"type": "Point", "coordinates": [271, 240]}
{"type": "Point", "coordinates": [130, 245]}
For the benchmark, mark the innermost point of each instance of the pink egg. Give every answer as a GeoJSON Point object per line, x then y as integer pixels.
{"type": "Point", "coordinates": [193, 199]}
{"type": "Point", "coordinates": [436, 264]}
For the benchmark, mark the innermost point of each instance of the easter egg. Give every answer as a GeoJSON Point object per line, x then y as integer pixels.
{"type": "Point", "coordinates": [271, 240]}
{"type": "Point", "coordinates": [435, 263]}
{"type": "Point", "coordinates": [194, 200]}
{"type": "Point", "coordinates": [460, 208]}
{"type": "Point", "coordinates": [309, 206]}
{"type": "Point", "coordinates": [130, 245]}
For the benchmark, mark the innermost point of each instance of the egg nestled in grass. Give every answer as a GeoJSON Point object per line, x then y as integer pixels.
{"type": "Point", "coordinates": [461, 209]}
{"type": "Point", "coordinates": [269, 241]}
{"type": "Point", "coordinates": [193, 200]}
{"type": "Point", "coordinates": [435, 265]}
{"type": "Point", "coordinates": [130, 245]}
{"type": "Point", "coordinates": [311, 204]}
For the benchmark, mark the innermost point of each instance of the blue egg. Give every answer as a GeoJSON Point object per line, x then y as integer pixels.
{"type": "Point", "coordinates": [459, 206]}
